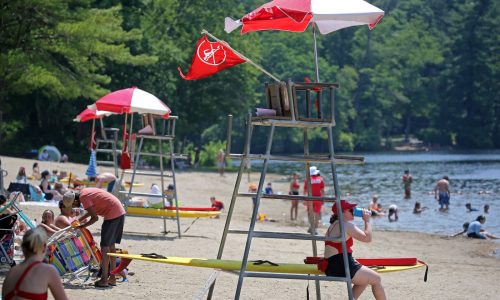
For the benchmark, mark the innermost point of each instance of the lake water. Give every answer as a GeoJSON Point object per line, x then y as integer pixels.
{"type": "Point", "coordinates": [474, 178]}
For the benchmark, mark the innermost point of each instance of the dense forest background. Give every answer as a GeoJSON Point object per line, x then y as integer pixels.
{"type": "Point", "coordinates": [430, 70]}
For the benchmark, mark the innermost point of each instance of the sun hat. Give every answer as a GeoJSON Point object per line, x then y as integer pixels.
{"type": "Point", "coordinates": [68, 199]}
{"type": "Point", "coordinates": [313, 170]}
{"type": "Point", "coordinates": [344, 205]}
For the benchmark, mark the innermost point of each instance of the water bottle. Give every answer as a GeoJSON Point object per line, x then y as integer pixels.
{"type": "Point", "coordinates": [358, 212]}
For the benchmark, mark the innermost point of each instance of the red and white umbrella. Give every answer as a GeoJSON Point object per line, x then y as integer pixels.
{"type": "Point", "coordinates": [90, 114]}
{"type": "Point", "coordinates": [296, 15]}
{"type": "Point", "coordinates": [132, 100]}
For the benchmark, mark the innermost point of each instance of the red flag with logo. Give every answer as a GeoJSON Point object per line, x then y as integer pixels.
{"type": "Point", "coordinates": [210, 58]}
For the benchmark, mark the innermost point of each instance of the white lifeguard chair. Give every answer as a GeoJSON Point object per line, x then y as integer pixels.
{"type": "Point", "coordinates": [162, 135]}
{"type": "Point", "coordinates": [286, 99]}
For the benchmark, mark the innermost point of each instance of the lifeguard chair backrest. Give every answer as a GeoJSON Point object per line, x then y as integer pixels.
{"type": "Point", "coordinates": [149, 119]}
{"type": "Point", "coordinates": [103, 130]}
{"type": "Point", "coordinates": [278, 99]}
{"type": "Point", "coordinates": [313, 101]}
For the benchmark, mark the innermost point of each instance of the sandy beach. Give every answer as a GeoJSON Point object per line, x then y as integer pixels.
{"type": "Point", "coordinates": [459, 268]}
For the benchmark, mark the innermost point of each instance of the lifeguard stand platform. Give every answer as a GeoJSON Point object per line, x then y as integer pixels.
{"type": "Point", "coordinates": [297, 105]}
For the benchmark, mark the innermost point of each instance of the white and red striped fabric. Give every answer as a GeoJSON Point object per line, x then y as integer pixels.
{"type": "Point", "coordinates": [132, 100]}
{"type": "Point", "coordinates": [295, 15]}
{"type": "Point", "coordinates": [90, 114]}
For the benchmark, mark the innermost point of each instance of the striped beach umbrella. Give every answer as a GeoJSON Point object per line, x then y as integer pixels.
{"type": "Point", "coordinates": [92, 168]}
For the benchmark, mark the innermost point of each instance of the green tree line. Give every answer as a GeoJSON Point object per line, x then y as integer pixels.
{"type": "Point", "coordinates": [430, 70]}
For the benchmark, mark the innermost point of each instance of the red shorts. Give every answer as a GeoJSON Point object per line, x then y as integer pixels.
{"type": "Point", "coordinates": [316, 206]}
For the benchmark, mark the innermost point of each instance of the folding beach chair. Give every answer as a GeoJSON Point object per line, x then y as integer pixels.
{"type": "Point", "coordinates": [7, 238]}
{"type": "Point", "coordinates": [74, 254]}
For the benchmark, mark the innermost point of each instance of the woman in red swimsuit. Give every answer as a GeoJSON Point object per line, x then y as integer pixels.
{"type": "Point", "coordinates": [361, 276]}
{"type": "Point", "coordinates": [32, 278]}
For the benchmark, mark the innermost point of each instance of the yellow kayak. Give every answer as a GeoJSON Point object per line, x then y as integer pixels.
{"type": "Point", "coordinates": [157, 212]}
{"type": "Point", "coordinates": [92, 183]}
{"type": "Point", "coordinates": [235, 265]}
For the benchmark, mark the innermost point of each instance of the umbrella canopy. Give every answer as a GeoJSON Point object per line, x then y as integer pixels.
{"type": "Point", "coordinates": [296, 15]}
{"type": "Point", "coordinates": [132, 100]}
{"type": "Point", "coordinates": [91, 114]}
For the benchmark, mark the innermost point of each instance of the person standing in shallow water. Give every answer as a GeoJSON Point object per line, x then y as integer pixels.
{"type": "Point", "coordinates": [442, 193]}
{"type": "Point", "coordinates": [407, 180]}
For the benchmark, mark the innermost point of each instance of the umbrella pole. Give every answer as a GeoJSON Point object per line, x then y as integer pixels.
{"type": "Point", "coordinates": [130, 137]}
{"type": "Point", "coordinates": [316, 69]}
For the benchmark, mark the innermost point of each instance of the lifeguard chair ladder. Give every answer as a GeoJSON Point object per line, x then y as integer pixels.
{"type": "Point", "coordinates": [294, 120]}
{"type": "Point", "coordinates": [167, 136]}
{"type": "Point", "coordinates": [106, 148]}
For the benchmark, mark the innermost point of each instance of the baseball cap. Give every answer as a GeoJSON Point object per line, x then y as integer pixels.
{"type": "Point", "coordinates": [344, 205]}
{"type": "Point", "coordinates": [313, 170]}
{"type": "Point", "coordinates": [68, 199]}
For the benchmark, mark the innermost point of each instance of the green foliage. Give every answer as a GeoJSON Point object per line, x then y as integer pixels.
{"type": "Point", "coordinates": [345, 142]}
{"type": "Point", "coordinates": [208, 155]}
{"type": "Point", "coordinates": [428, 69]}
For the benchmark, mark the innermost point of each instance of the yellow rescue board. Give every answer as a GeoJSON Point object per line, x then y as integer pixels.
{"type": "Point", "coordinates": [156, 212]}
{"type": "Point", "coordinates": [235, 265]}
{"type": "Point", "coordinates": [92, 183]}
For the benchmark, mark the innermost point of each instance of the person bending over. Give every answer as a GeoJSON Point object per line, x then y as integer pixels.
{"type": "Point", "coordinates": [393, 211]}
{"type": "Point", "coordinates": [361, 276]}
{"type": "Point", "coordinates": [32, 278]}
{"type": "Point", "coordinates": [98, 202]}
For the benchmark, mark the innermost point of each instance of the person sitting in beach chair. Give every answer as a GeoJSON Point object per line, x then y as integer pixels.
{"type": "Point", "coordinates": [36, 172]}
{"type": "Point", "coordinates": [50, 194]}
{"type": "Point", "coordinates": [36, 193]}
{"type": "Point", "coordinates": [21, 176]}
{"type": "Point", "coordinates": [48, 222]}
{"type": "Point", "coordinates": [67, 215]}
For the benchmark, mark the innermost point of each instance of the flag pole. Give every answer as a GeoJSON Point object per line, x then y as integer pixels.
{"type": "Point", "coordinates": [241, 55]}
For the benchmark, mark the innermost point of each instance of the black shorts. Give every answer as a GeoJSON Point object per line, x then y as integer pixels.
{"type": "Point", "coordinates": [112, 231]}
{"type": "Point", "coordinates": [336, 265]}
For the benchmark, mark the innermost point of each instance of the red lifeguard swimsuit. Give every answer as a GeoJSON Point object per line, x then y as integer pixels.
{"type": "Point", "coordinates": [349, 242]}
{"type": "Point", "coordinates": [18, 293]}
